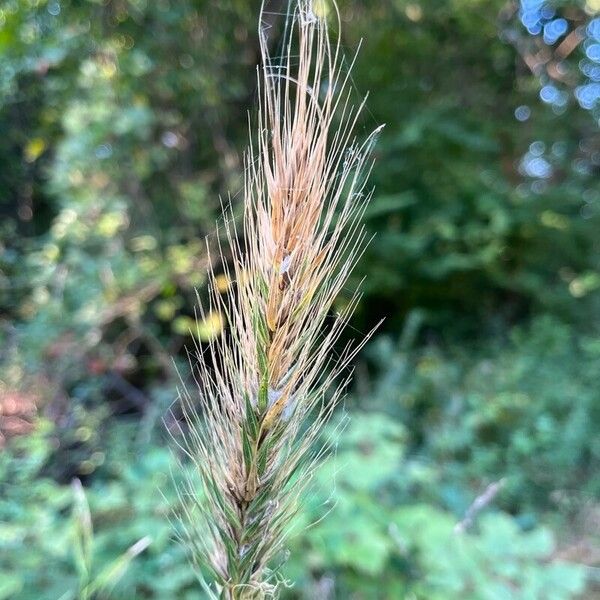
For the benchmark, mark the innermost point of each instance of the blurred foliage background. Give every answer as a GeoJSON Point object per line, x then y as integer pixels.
{"type": "Point", "coordinates": [469, 467]}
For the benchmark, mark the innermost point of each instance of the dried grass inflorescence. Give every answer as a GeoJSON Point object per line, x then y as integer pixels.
{"type": "Point", "coordinates": [266, 390]}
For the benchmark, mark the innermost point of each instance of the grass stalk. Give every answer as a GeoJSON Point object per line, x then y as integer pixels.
{"type": "Point", "coordinates": [265, 391]}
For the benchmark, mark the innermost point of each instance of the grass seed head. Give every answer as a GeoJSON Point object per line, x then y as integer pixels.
{"type": "Point", "coordinates": [273, 381]}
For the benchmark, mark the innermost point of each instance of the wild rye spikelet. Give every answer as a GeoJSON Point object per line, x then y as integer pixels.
{"type": "Point", "coordinates": [266, 391]}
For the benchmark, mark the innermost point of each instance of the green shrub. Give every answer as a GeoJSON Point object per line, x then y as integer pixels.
{"type": "Point", "coordinates": [374, 542]}
{"type": "Point", "coordinates": [370, 545]}
{"type": "Point", "coordinates": [130, 500]}
{"type": "Point", "coordinates": [525, 410]}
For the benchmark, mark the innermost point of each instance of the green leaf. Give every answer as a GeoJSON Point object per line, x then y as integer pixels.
{"type": "Point", "coordinates": [10, 585]}
{"type": "Point", "coordinates": [248, 451]}
{"type": "Point", "coordinates": [251, 420]}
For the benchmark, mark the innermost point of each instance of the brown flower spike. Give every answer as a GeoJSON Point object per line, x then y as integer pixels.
{"type": "Point", "coordinates": [273, 383]}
